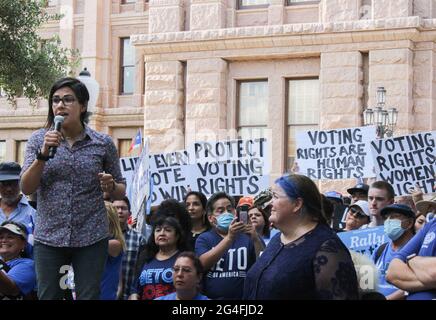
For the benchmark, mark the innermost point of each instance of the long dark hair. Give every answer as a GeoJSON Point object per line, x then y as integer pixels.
{"type": "Point", "coordinates": [81, 93]}
{"type": "Point", "coordinates": [203, 201]}
{"type": "Point", "coordinates": [266, 231]}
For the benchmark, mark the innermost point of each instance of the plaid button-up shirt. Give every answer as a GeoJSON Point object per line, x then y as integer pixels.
{"type": "Point", "coordinates": [134, 241]}
{"type": "Point", "coordinates": [71, 210]}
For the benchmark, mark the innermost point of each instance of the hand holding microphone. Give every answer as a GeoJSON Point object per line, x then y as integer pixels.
{"type": "Point", "coordinates": [58, 120]}
{"type": "Point", "coordinates": [52, 139]}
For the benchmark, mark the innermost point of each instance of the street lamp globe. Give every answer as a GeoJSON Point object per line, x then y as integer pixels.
{"type": "Point", "coordinates": [92, 86]}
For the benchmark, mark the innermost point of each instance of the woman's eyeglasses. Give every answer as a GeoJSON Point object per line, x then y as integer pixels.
{"type": "Point", "coordinates": [66, 100]}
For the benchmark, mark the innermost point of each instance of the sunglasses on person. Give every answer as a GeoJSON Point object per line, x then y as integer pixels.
{"type": "Point", "coordinates": [357, 213]}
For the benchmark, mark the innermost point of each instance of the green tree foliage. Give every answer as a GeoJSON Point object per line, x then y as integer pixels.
{"type": "Point", "coordinates": [28, 64]}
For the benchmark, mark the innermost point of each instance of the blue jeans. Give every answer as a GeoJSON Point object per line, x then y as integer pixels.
{"type": "Point", "coordinates": [51, 264]}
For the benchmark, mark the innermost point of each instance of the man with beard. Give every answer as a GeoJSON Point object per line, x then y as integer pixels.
{"type": "Point", "coordinates": [13, 205]}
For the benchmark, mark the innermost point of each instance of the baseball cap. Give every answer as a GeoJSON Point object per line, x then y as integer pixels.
{"type": "Point", "coordinates": [9, 171]}
{"type": "Point", "coordinates": [363, 205]}
{"type": "Point", "coordinates": [399, 208]}
{"type": "Point", "coordinates": [247, 201]}
{"type": "Point", "coordinates": [359, 187]}
{"type": "Point", "coordinates": [334, 195]}
{"type": "Point", "coordinates": [16, 228]}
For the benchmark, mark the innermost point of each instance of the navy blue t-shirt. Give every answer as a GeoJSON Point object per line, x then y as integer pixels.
{"type": "Point", "coordinates": [111, 278]}
{"type": "Point", "coordinates": [156, 279]}
{"type": "Point", "coordinates": [226, 279]}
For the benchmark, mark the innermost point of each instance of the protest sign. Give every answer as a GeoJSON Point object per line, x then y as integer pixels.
{"type": "Point", "coordinates": [140, 187]}
{"type": "Point", "coordinates": [238, 167]}
{"type": "Point", "coordinates": [406, 160]}
{"type": "Point", "coordinates": [127, 166]}
{"type": "Point", "coordinates": [336, 154]}
{"type": "Point", "coordinates": [169, 175]}
{"type": "Point", "coordinates": [364, 241]}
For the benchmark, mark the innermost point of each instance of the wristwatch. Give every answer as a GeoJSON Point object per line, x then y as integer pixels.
{"type": "Point", "coordinates": [410, 257]}
{"type": "Point", "coordinates": [40, 156]}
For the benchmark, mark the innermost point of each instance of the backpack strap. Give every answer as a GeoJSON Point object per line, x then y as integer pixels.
{"type": "Point", "coordinates": [380, 250]}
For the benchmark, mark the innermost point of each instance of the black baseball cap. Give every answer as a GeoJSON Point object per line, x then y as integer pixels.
{"type": "Point", "coordinates": [359, 187]}
{"type": "Point", "coordinates": [9, 171]}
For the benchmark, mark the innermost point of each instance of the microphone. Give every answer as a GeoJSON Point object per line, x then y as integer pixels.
{"type": "Point", "coordinates": [58, 120]}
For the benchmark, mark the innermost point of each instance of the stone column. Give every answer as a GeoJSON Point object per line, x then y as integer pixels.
{"type": "Point", "coordinates": [164, 104]}
{"type": "Point", "coordinates": [276, 12]}
{"type": "Point", "coordinates": [383, 9]}
{"type": "Point", "coordinates": [423, 8]}
{"type": "Point", "coordinates": [339, 10]}
{"type": "Point", "coordinates": [341, 89]}
{"type": "Point", "coordinates": [165, 16]}
{"type": "Point", "coordinates": [208, 14]}
{"type": "Point", "coordinates": [393, 69]}
{"type": "Point", "coordinates": [341, 99]}
{"type": "Point", "coordinates": [423, 92]}
{"type": "Point", "coordinates": [66, 24]}
{"type": "Point", "coordinates": [96, 50]}
{"type": "Point", "coordinates": [206, 100]}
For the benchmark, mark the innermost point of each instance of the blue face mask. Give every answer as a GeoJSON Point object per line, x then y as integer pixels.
{"type": "Point", "coordinates": [393, 228]}
{"type": "Point", "coordinates": [224, 220]}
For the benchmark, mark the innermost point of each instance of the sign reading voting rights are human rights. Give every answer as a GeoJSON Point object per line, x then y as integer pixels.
{"type": "Point", "coordinates": [364, 241]}
{"type": "Point", "coordinates": [405, 161]}
{"type": "Point", "coordinates": [336, 154]}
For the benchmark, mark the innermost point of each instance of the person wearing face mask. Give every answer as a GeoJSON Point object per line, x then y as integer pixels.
{"type": "Point", "coordinates": [399, 227]}
{"type": "Point", "coordinates": [225, 252]}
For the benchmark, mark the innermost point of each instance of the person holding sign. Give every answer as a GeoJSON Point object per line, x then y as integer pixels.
{"type": "Point", "coordinates": [413, 268]}
{"type": "Point", "coordinates": [306, 258]}
{"type": "Point", "coordinates": [399, 227]}
{"type": "Point", "coordinates": [380, 195]}
{"type": "Point", "coordinates": [71, 223]}
{"type": "Point", "coordinates": [226, 252]}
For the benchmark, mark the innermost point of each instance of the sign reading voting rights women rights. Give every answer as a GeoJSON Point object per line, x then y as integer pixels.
{"type": "Point", "coordinates": [407, 160]}
{"type": "Point", "coordinates": [336, 154]}
{"type": "Point", "coordinates": [364, 241]}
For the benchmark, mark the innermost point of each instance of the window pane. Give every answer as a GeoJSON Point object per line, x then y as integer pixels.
{"type": "Point", "coordinates": [129, 79]}
{"type": "Point", "coordinates": [253, 103]}
{"type": "Point", "coordinates": [247, 133]}
{"type": "Point", "coordinates": [128, 53]}
{"type": "Point", "coordinates": [303, 111]}
{"type": "Point", "coordinates": [128, 1]}
{"type": "Point", "coordinates": [298, 1]}
{"type": "Point", "coordinates": [303, 101]}
{"type": "Point", "coordinates": [21, 148]}
{"type": "Point", "coordinates": [2, 150]}
{"type": "Point", "coordinates": [123, 147]}
{"type": "Point", "coordinates": [247, 3]}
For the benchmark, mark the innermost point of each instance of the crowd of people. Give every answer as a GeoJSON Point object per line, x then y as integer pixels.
{"type": "Point", "coordinates": [76, 239]}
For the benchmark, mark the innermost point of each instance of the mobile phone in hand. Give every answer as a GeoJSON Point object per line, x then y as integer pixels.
{"type": "Point", "coordinates": [243, 216]}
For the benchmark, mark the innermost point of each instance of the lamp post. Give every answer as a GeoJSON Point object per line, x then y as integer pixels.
{"type": "Point", "coordinates": [92, 86]}
{"type": "Point", "coordinates": [384, 120]}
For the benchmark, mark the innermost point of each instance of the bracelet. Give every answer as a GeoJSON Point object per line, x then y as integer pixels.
{"type": "Point", "coordinates": [40, 156]}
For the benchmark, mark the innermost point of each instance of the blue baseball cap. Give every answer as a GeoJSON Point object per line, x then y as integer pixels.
{"type": "Point", "coordinates": [334, 195]}
{"type": "Point", "coordinates": [398, 208]}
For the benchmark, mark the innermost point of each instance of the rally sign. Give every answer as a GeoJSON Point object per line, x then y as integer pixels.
{"type": "Point", "coordinates": [336, 154]}
{"type": "Point", "coordinates": [406, 161]}
{"type": "Point", "coordinates": [170, 174]}
{"type": "Point", "coordinates": [140, 187]}
{"type": "Point", "coordinates": [127, 166]}
{"type": "Point", "coordinates": [238, 167]}
{"type": "Point", "coordinates": [364, 241]}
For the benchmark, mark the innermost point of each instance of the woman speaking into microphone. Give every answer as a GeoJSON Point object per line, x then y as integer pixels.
{"type": "Point", "coordinates": [71, 226]}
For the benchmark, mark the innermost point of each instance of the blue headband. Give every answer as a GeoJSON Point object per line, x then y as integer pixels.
{"type": "Point", "coordinates": [288, 186]}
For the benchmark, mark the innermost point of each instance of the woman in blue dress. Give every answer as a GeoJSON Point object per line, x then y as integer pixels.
{"type": "Point", "coordinates": [306, 260]}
